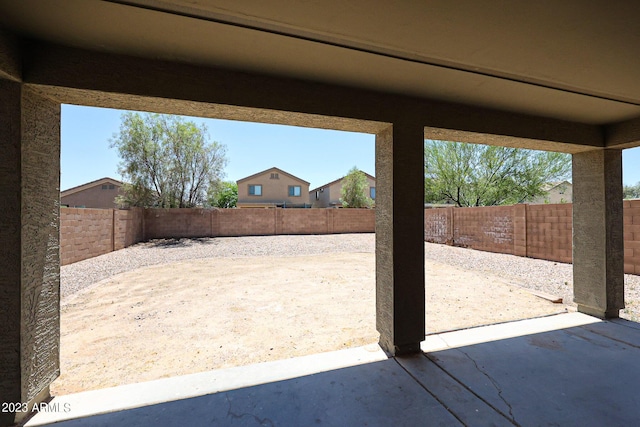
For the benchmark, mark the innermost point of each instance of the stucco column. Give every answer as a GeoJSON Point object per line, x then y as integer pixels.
{"type": "Point", "coordinates": [400, 293]}
{"type": "Point", "coordinates": [29, 253]}
{"type": "Point", "coordinates": [598, 245]}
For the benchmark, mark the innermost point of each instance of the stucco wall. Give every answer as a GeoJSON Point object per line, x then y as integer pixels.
{"type": "Point", "coordinates": [40, 252]}
{"type": "Point", "coordinates": [331, 194]}
{"type": "Point", "coordinates": [94, 197]}
{"type": "Point", "coordinates": [274, 190]}
{"type": "Point", "coordinates": [10, 257]}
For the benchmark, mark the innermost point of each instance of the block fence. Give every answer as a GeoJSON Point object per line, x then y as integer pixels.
{"type": "Point", "coordinates": [86, 233]}
{"type": "Point", "coordinates": [535, 231]}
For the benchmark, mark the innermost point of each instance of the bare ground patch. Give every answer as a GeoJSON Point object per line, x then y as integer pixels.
{"type": "Point", "coordinates": [192, 316]}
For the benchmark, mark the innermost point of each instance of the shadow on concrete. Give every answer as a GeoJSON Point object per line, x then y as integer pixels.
{"type": "Point", "coordinates": [569, 369]}
{"type": "Point", "coordinates": [178, 243]}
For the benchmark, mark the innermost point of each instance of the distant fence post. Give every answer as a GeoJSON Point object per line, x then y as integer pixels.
{"type": "Point", "coordinates": [450, 238]}
{"type": "Point", "coordinates": [520, 230]}
{"type": "Point", "coordinates": [113, 230]}
{"type": "Point", "coordinates": [144, 224]}
{"type": "Point", "coordinates": [216, 228]}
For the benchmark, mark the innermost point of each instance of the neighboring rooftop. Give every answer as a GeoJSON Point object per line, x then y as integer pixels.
{"type": "Point", "coordinates": [273, 169]}
{"type": "Point", "coordinates": [91, 184]}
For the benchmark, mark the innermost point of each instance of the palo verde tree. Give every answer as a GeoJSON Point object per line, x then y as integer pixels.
{"type": "Point", "coordinates": [631, 191]}
{"type": "Point", "coordinates": [166, 161]}
{"type": "Point", "coordinates": [355, 190]}
{"type": "Point", "coordinates": [483, 175]}
{"type": "Point", "coordinates": [224, 195]}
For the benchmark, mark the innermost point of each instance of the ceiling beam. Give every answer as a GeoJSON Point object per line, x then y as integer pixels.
{"type": "Point", "coordinates": [10, 64]}
{"type": "Point", "coordinates": [624, 134]}
{"type": "Point", "coordinates": [109, 76]}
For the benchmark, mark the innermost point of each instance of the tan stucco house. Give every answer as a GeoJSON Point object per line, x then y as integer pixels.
{"type": "Point", "coordinates": [273, 188]}
{"type": "Point", "coordinates": [557, 192]}
{"type": "Point", "coordinates": [99, 194]}
{"type": "Point", "coordinates": [328, 195]}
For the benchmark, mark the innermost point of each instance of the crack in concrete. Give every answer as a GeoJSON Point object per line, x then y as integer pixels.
{"type": "Point", "coordinates": [446, 407]}
{"type": "Point", "coordinates": [496, 385]}
{"type": "Point", "coordinates": [260, 421]}
{"type": "Point", "coordinates": [587, 328]}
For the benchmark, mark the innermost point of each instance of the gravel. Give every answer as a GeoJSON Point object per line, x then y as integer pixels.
{"type": "Point", "coordinates": [79, 275]}
{"type": "Point", "coordinates": [549, 277]}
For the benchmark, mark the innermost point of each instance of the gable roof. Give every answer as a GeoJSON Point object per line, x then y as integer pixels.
{"type": "Point", "coordinates": [551, 185]}
{"type": "Point", "coordinates": [338, 180]}
{"type": "Point", "coordinates": [269, 170]}
{"type": "Point", "coordinates": [91, 184]}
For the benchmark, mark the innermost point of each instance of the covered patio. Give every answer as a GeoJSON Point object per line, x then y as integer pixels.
{"type": "Point", "coordinates": [544, 75]}
{"type": "Point", "coordinates": [545, 371]}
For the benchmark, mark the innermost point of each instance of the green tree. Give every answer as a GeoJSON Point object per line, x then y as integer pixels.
{"type": "Point", "coordinates": [224, 195]}
{"type": "Point", "coordinates": [167, 161]}
{"type": "Point", "coordinates": [355, 190]}
{"type": "Point", "coordinates": [483, 175]}
{"type": "Point", "coordinates": [632, 191]}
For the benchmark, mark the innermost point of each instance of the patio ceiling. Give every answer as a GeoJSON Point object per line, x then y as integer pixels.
{"type": "Point", "coordinates": [571, 60]}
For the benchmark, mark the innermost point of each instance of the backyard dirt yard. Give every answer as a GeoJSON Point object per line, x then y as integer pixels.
{"type": "Point", "coordinates": [197, 315]}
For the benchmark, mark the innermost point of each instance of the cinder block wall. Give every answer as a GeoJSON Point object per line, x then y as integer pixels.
{"type": "Point", "coordinates": [127, 229]}
{"type": "Point", "coordinates": [85, 233]}
{"type": "Point", "coordinates": [244, 222]}
{"type": "Point", "coordinates": [485, 228]}
{"type": "Point", "coordinates": [163, 223]}
{"type": "Point", "coordinates": [437, 225]}
{"type": "Point", "coordinates": [302, 221]}
{"type": "Point", "coordinates": [351, 220]}
{"type": "Point", "coordinates": [167, 223]}
{"type": "Point", "coordinates": [549, 232]}
{"type": "Point", "coordinates": [632, 236]}
{"type": "Point", "coordinates": [537, 231]}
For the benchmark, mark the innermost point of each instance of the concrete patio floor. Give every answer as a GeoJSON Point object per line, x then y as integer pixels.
{"type": "Point", "coordinates": [567, 369]}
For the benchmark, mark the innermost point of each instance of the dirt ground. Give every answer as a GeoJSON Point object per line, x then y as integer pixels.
{"type": "Point", "coordinates": [200, 315]}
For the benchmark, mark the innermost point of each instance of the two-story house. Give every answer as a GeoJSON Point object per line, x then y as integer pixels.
{"type": "Point", "coordinates": [556, 192]}
{"type": "Point", "coordinates": [273, 188]}
{"type": "Point", "coordinates": [328, 195]}
{"type": "Point", "coordinates": [98, 194]}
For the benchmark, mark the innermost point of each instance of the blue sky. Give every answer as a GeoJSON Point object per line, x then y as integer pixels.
{"type": "Point", "coordinates": [314, 155]}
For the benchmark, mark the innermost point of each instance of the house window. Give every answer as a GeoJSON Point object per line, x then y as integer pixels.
{"type": "Point", "coordinates": [112, 187]}
{"type": "Point", "coordinates": [255, 190]}
{"type": "Point", "coordinates": [104, 186]}
{"type": "Point", "coordinates": [294, 191]}
{"type": "Point", "coordinates": [274, 176]}
{"type": "Point", "coordinates": [372, 192]}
